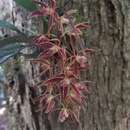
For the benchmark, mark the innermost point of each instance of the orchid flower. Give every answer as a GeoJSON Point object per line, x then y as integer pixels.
{"type": "Point", "coordinates": [47, 10]}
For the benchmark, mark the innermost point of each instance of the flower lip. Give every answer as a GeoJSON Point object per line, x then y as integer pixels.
{"type": "Point", "coordinates": [81, 58]}
{"type": "Point", "coordinates": [63, 115]}
{"type": "Point", "coordinates": [54, 48]}
{"type": "Point", "coordinates": [64, 20]}
{"type": "Point", "coordinates": [67, 81]}
{"type": "Point", "coordinates": [50, 98]}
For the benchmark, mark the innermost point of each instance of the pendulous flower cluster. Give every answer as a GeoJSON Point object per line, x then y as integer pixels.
{"type": "Point", "coordinates": [62, 59]}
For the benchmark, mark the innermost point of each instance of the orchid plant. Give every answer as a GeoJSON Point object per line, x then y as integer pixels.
{"type": "Point", "coordinates": [62, 58]}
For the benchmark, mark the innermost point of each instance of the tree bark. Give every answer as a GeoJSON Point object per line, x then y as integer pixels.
{"type": "Point", "coordinates": [108, 105]}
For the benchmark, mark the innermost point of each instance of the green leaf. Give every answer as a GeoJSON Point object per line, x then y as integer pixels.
{"type": "Point", "coordinates": [9, 51]}
{"type": "Point", "coordinates": [27, 4]}
{"type": "Point", "coordinates": [11, 46]}
{"type": "Point", "coordinates": [15, 39]}
{"type": "Point", "coordinates": [5, 24]}
{"type": "Point", "coordinates": [12, 50]}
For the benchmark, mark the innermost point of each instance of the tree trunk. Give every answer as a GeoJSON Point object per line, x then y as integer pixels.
{"type": "Point", "coordinates": [108, 105]}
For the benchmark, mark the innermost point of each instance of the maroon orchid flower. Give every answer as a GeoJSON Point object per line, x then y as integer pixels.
{"type": "Point", "coordinates": [51, 50]}
{"type": "Point", "coordinates": [69, 114]}
{"type": "Point", "coordinates": [55, 79]}
{"type": "Point", "coordinates": [63, 115]}
{"type": "Point", "coordinates": [63, 82]}
{"type": "Point", "coordinates": [79, 62]}
{"type": "Point", "coordinates": [50, 104]}
{"type": "Point", "coordinates": [69, 71]}
{"type": "Point", "coordinates": [50, 47]}
{"type": "Point", "coordinates": [76, 30]}
{"type": "Point", "coordinates": [47, 102]}
{"type": "Point", "coordinates": [81, 87]}
{"type": "Point", "coordinates": [76, 97]}
{"type": "Point", "coordinates": [41, 39]}
{"type": "Point", "coordinates": [65, 85]}
{"type": "Point", "coordinates": [47, 10]}
{"type": "Point", "coordinates": [78, 27]}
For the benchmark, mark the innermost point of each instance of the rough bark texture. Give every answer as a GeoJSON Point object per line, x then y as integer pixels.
{"type": "Point", "coordinates": [109, 102]}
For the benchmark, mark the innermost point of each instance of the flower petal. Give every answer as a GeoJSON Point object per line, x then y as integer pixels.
{"type": "Point", "coordinates": [63, 115]}
{"type": "Point", "coordinates": [62, 54]}
{"type": "Point", "coordinates": [76, 89]}
{"type": "Point", "coordinates": [41, 39]}
{"type": "Point", "coordinates": [50, 106]}
{"type": "Point", "coordinates": [64, 91]}
{"type": "Point", "coordinates": [54, 79]}
{"type": "Point", "coordinates": [82, 25]}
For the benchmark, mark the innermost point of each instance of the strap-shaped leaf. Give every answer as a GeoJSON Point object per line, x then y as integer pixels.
{"type": "Point", "coordinates": [5, 24]}
{"type": "Point", "coordinates": [27, 4]}
{"type": "Point", "coordinates": [15, 39]}
{"type": "Point", "coordinates": [9, 51]}
{"type": "Point", "coordinates": [2, 76]}
{"type": "Point", "coordinates": [12, 46]}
